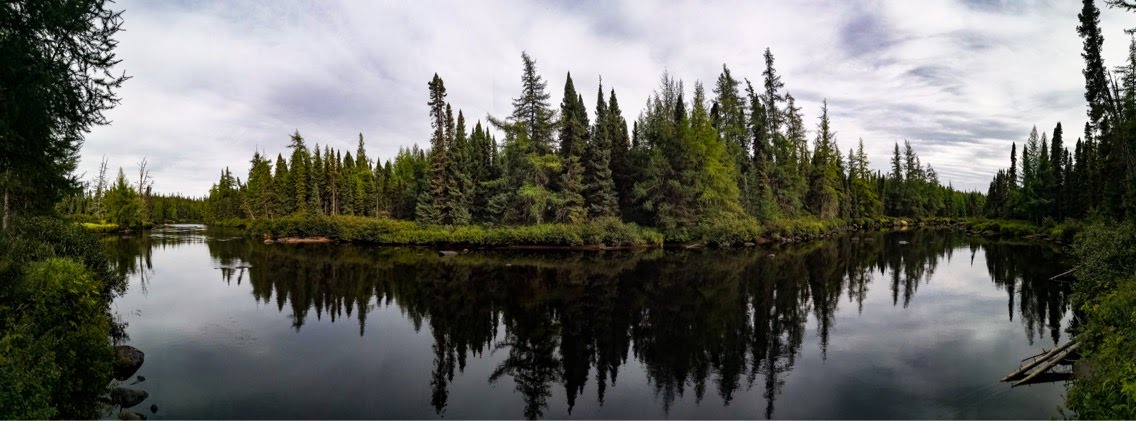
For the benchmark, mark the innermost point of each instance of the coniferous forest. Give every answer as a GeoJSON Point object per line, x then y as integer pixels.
{"type": "Point", "coordinates": [734, 162]}
{"type": "Point", "coordinates": [693, 162]}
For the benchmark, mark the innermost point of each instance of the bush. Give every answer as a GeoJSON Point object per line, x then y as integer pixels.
{"type": "Point", "coordinates": [55, 348]}
{"type": "Point", "coordinates": [1108, 389]}
{"type": "Point", "coordinates": [1105, 294]}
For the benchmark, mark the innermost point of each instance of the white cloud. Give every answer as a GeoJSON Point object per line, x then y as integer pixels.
{"type": "Point", "coordinates": [214, 81]}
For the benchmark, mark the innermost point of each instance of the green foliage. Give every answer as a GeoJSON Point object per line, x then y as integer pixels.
{"type": "Point", "coordinates": [100, 228]}
{"type": "Point", "coordinates": [56, 82]}
{"type": "Point", "coordinates": [1108, 389]}
{"type": "Point", "coordinates": [600, 232]}
{"type": "Point", "coordinates": [600, 189]}
{"type": "Point", "coordinates": [1105, 294]}
{"type": "Point", "coordinates": [55, 354]}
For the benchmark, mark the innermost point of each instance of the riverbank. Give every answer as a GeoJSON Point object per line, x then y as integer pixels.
{"type": "Point", "coordinates": [599, 234]}
{"type": "Point", "coordinates": [1104, 300]}
{"type": "Point", "coordinates": [56, 327]}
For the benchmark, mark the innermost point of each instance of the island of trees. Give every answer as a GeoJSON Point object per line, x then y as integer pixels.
{"type": "Point", "coordinates": [726, 167]}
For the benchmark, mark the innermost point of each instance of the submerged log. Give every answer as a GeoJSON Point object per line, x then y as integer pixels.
{"type": "Point", "coordinates": [1037, 362]}
{"type": "Point", "coordinates": [1053, 361]}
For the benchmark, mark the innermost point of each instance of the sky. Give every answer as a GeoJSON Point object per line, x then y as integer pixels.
{"type": "Point", "coordinates": [214, 81]}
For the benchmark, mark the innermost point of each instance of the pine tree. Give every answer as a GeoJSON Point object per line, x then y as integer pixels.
{"type": "Point", "coordinates": [824, 195]}
{"type": "Point", "coordinates": [431, 207]}
{"type": "Point", "coordinates": [365, 181]}
{"type": "Point", "coordinates": [532, 108]}
{"type": "Point", "coordinates": [573, 141]}
{"type": "Point", "coordinates": [730, 122]}
{"type": "Point", "coordinates": [317, 183]}
{"type": "Point", "coordinates": [259, 188]}
{"type": "Point", "coordinates": [623, 173]}
{"type": "Point", "coordinates": [283, 187]}
{"type": "Point", "coordinates": [1096, 81]}
{"type": "Point", "coordinates": [460, 185]}
{"type": "Point", "coordinates": [599, 187]}
{"type": "Point", "coordinates": [299, 171]}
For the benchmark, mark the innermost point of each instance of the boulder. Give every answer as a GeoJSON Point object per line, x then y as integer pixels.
{"type": "Point", "coordinates": [749, 244]}
{"type": "Point", "coordinates": [127, 397]}
{"type": "Point", "coordinates": [127, 360]}
{"type": "Point", "coordinates": [447, 253]}
{"type": "Point", "coordinates": [903, 242]}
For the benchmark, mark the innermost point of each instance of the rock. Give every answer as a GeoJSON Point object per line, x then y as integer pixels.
{"type": "Point", "coordinates": [903, 242]}
{"type": "Point", "coordinates": [694, 245]}
{"type": "Point", "coordinates": [130, 415]}
{"type": "Point", "coordinates": [465, 250]}
{"type": "Point", "coordinates": [127, 360]}
{"type": "Point", "coordinates": [447, 253]}
{"type": "Point", "coordinates": [268, 241]}
{"type": "Point", "coordinates": [126, 397]}
{"type": "Point", "coordinates": [154, 408]}
{"type": "Point", "coordinates": [749, 244]}
{"type": "Point", "coordinates": [855, 239]}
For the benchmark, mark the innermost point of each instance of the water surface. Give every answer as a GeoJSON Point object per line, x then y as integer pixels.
{"type": "Point", "coordinates": [913, 324]}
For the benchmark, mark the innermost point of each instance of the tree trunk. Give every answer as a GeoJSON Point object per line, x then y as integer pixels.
{"type": "Point", "coordinates": [7, 210]}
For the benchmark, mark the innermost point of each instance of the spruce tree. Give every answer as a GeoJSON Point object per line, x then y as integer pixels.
{"type": "Point", "coordinates": [431, 207]}
{"type": "Point", "coordinates": [599, 185]}
{"type": "Point", "coordinates": [299, 171]}
{"type": "Point", "coordinates": [573, 142]}
{"type": "Point", "coordinates": [622, 172]}
{"type": "Point", "coordinates": [283, 188]}
{"type": "Point", "coordinates": [824, 195]}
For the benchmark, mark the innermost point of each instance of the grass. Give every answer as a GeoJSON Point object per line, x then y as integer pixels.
{"type": "Point", "coordinates": [606, 232]}
{"type": "Point", "coordinates": [99, 227]}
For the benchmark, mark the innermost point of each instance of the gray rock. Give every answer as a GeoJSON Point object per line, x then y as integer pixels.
{"type": "Point", "coordinates": [126, 397]}
{"type": "Point", "coordinates": [447, 253]}
{"type": "Point", "coordinates": [127, 360]}
{"type": "Point", "coordinates": [903, 243]}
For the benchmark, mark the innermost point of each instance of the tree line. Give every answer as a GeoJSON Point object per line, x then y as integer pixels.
{"type": "Point", "coordinates": [128, 203]}
{"type": "Point", "coordinates": [739, 153]}
{"type": "Point", "coordinates": [1096, 179]}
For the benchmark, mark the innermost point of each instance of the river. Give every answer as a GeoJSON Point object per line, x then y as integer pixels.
{"type": "Point", "coordinates": [910, 324]}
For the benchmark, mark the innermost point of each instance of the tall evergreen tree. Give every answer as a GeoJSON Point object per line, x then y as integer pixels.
{"type": "Point", "coordinates": [431, 207]}
{"type": "Point", "coordinates": [599, 187]}
{"type": "Point", "coordinates": [532, 107]}
{"type": "Point", "coordinates": [573, 141]}
{"type": "Point", "coordinates": [825, 194]}
{"type": "Point", "coordinates": [623, 171]}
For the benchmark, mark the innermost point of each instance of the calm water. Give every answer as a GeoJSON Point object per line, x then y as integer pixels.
{"type": "Point", "coordinates": [846, 328]}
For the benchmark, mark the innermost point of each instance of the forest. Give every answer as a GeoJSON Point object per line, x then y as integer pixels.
{"type": "Point", "coordinates": [737, 157]}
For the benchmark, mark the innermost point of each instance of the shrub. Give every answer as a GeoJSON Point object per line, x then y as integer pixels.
{"type": "Point", "coordinates": [55, 353]}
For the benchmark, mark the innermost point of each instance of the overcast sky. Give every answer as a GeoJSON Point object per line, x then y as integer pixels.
{"type": "Point", "coordinates": [215, 81]}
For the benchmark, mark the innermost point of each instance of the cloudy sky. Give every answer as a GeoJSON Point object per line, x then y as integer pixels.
{"type": "Point", "coordinates": [215, 81]}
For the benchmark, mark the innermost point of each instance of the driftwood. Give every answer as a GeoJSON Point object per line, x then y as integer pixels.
{"type": "Point", "coordinates": [1054, 278]}
{"type": "Point", "coordinates": [1053, 361]}
{"type": "Point", "coordinates": [1038, 361]}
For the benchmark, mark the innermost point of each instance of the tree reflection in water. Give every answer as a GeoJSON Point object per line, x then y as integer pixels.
{"type": "Point", "coordinates": [724, 319]}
